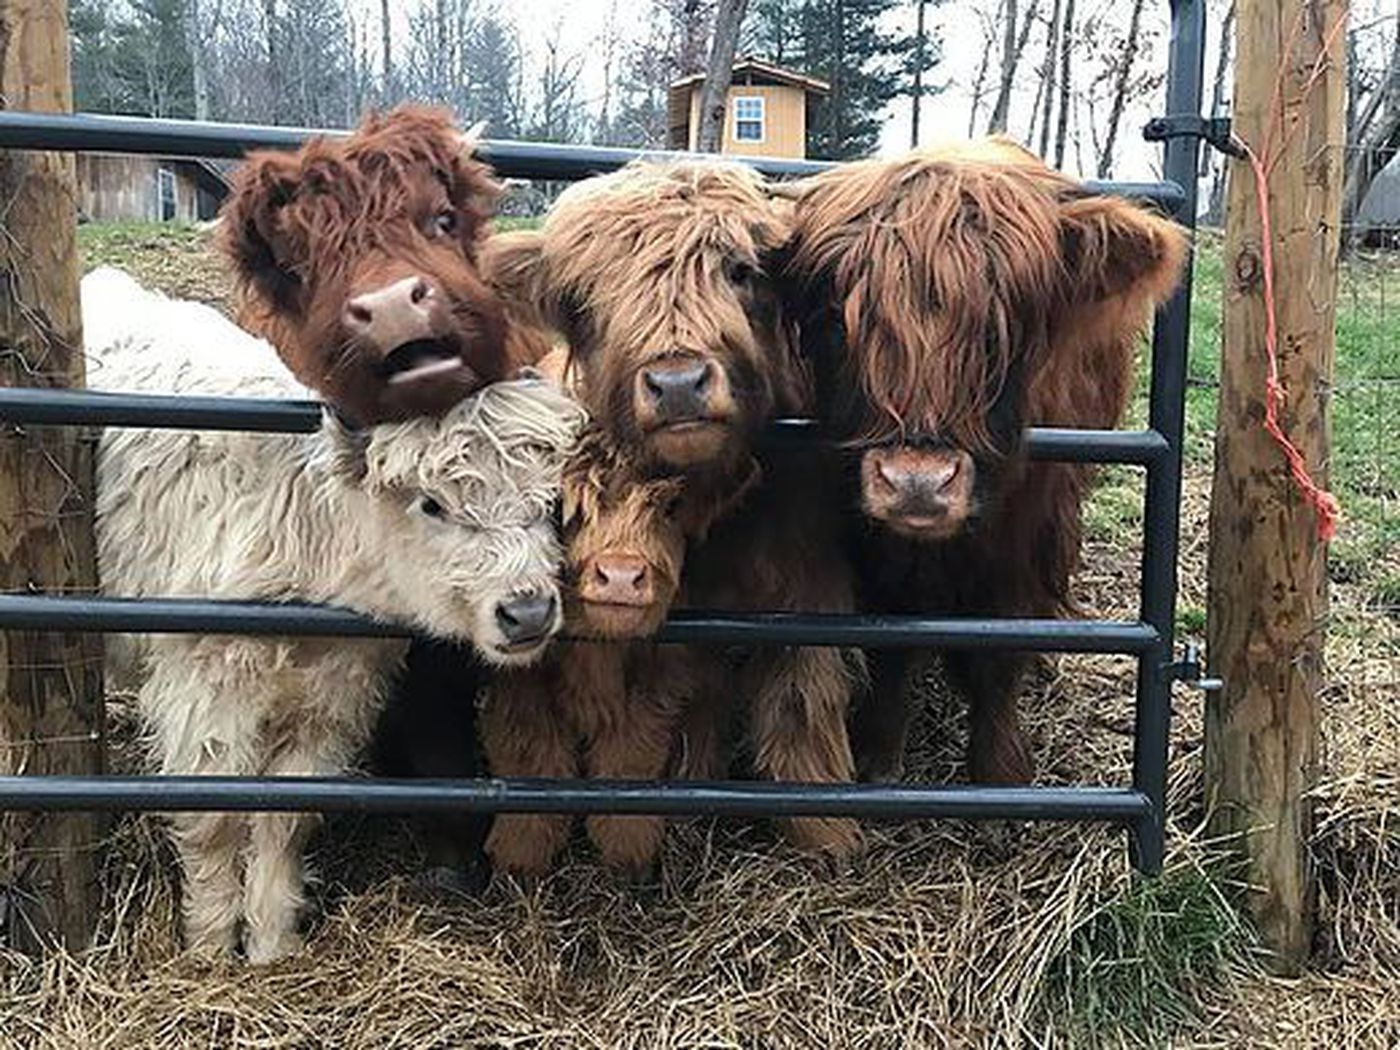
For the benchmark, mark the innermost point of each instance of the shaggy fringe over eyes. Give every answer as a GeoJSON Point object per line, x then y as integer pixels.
{"type": "Point", "coordinates": [494, 460]}
{"type": "Point", "coordinates": [645, 250]}
{"type": "Point", "coordinates": [955, 266]}
{"type": "Point", "coordinates": [944, 274]}
{"type": "Point", "coordinates": [600, 476]}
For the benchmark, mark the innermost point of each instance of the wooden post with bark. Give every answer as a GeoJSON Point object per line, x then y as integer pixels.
{"type": "Point", "coordinates": [50, 683]}
{"type": "Point", "coordinates": [1268, 582]}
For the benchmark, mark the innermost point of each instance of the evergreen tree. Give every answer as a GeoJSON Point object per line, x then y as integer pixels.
{"type": "Point", "coordinates": [492, 61]}
{"type": "Point", "coordinates": [133, 59]}
{"type": "Point", "coordinates": [96, 86]}
{"type": "Point", "coordinates": [315, 75]}
{"type": "Point", "coordinates": [844, 43]}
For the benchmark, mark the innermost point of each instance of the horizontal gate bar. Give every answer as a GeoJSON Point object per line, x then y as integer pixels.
{"type": "Point", "coordinates": [100, 133]}
{"type": "Point", "coordinates": [715, 798]}
{"type": "Point", "coordinates": [88, 132]}
{"type": "Point", "coordinates": [29, 612]}
{"type": "Point", "coordinates": [39, 407]}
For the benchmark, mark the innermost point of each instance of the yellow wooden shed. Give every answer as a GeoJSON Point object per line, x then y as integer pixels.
{"type": "Point", "coordinates": [766, 114]}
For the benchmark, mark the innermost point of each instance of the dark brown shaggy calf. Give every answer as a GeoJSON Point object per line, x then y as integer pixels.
{"type": "Point", "coordinates": [357, 259]}
{"type": "Point", "coordinates": [658, 277]}
{"type": "Point", "coordinates": [951, 298]}
{"type": "Point", "coordinates": [607, 708]}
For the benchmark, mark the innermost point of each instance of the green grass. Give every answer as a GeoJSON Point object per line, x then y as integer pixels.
{"type": "Point", "coordinates": [1365, 418]}
{"type": "Point", "coordinates": [518, 222]}
{"type": "Point", "coordinates": [1136, 966]}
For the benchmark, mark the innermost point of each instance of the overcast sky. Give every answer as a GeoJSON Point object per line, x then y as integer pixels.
{"type": "Point", "coordinates": [582, 24]}
{"type": "Point", "coordinates": [945, 115]}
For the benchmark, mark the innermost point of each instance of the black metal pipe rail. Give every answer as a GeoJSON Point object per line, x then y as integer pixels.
{"type": "Point", "coordinates": [32, 612]}
{"type": "Point", "coordinates": [667, 798]}
{"type": "Point", "coordinates": [1167, 417]}
{"type": "Point", "coordinates": [97, 133]}
{"type": "Point", "coordinates": [39, 407]}
{"type": "Point", "coordinates": [1159, 449]}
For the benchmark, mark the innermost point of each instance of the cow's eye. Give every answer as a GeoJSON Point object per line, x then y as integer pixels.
{"type": "Point", "coordinates": [445, 223]}
{"type": "Point", "coordinates": [738, 272]}
{"type": "Point", "coordinates": [431, 507]}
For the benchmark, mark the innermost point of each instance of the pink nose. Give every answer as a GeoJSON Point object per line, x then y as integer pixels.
{"type": "Point", "coordinates": [388, 317]}
{"type": "Point", "coordinates": [621, 579]}
{"type": "Point", "coordinates": [926, 480]}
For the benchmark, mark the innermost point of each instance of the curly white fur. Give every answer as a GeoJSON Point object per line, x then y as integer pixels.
{"type": "Point", "coordinates": [430, 523]}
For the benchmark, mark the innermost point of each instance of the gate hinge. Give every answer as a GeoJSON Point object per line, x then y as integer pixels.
{"type": "Point", "coordinates": [1190, 671]}
{"type": "Point", "coordinates": [1214, 130]}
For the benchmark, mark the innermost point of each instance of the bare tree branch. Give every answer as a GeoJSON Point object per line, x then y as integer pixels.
{"type": "Point", "coordinates": [729, 15]}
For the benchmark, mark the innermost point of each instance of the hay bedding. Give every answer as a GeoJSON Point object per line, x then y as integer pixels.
{"type": "Point", "coordinates": [941, 934]}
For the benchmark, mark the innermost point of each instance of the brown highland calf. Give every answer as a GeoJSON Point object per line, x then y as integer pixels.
{"type": "Point", "coordinates": [607, 708]}
{"type": "Point", "coordinates": [658, 278]}
{"type": "Point", "coordinates": [357, 259]}
{"type": "Point", "coordinates": [948, 299]}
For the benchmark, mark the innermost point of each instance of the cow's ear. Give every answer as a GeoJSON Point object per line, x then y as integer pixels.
{"type": "Point", "coordinates": [253, 232]}
{"type": "Point", "coordinates": [473, 187]}
{"type": "Point", "coordinates": [1113, 249]}
{"type": "Point", "coordinates": [514, 265]}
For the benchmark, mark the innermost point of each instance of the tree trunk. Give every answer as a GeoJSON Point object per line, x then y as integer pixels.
{"type": "Point", "coordinates": [386, 50]}
{"type": "Point", "coordinates": [917, 95]}
{"type": "Point", "coordinates": [1014, 46]}
{"type": "Point", "coordinates": [1267, 576]}
{"type": "Point", "coordinates": [1008, 69]}
{"type": "Point", "coordinates": [50, 684]}
{"type": "Point", "coordinates": [979, 82]}
{"type": "Point", "coordinates": [1048, 77]}
{"type": "Point", "coordinates": [1066, 55]}
{"type": "Point", "coordinates": [1214, 163]}
{"type": "Point", "coordinates": [195, 35]}
{"type": "Point", "coordinates": [604, 127]}
{"type": "Point", "coordinates": [274, 60]}
{"type": "Point", "coordinates": [729, 15]}
{"type": "Point", "coordinates": [1120, 90]}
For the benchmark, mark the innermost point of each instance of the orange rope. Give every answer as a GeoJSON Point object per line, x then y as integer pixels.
{"type": "Point", "coordinates": [1323, 502]}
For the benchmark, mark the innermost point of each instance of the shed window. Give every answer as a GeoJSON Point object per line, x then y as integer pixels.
{"type": "Point", "coordinates": [748, 118]}
{"type": "Point", "coordinates": [165, 193]}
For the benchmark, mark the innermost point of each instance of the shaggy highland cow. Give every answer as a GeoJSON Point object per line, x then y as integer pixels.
{"type": "Point", "coordinates": [609, 707]}
{"type": "Point", "coordinates": [441, 525]}
{"type": "Point", "coordinates": [658, 278]}
{"type": "Point", "coordinates": [357, 259]}
{"type": "Point", "coordinates": [951, 298]}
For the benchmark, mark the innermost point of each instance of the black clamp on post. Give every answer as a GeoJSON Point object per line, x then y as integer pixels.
{"type": "Point", "coordinates": [1213, 130]}
{"type": "Point", "coordinates": [1190, 671]}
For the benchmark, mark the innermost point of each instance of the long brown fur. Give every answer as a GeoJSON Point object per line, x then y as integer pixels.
{"type": "Point", "coordinates": [306, 231]}
{"type": "Point", "coordinates": [660, 261]}
{"type": "Point", "coordinates": [605, 708]}
{"type": "Point", "coordinates": [975, 291]}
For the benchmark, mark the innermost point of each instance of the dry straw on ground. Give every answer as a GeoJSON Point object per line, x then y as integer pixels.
{"type": "Point", "coordinates": [941, 934]}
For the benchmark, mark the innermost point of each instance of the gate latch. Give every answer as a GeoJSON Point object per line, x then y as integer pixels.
{"type": "Point", "coordinates": [1190, 671]}
{"type": "Point", "coordinates": [1214, 130]}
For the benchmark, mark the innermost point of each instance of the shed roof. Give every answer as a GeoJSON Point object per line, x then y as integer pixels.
{"type": "Point", "coordinates": [757, 71]}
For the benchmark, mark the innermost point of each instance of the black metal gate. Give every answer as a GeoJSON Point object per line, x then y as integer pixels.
{"type": "Point", "coordinates": [1139, 806]}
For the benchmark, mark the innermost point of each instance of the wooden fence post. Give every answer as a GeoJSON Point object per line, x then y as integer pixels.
{"type": "Point", "coordinates": [50, 684]}
{"type": "Point", "coordinates": [1268, 580]}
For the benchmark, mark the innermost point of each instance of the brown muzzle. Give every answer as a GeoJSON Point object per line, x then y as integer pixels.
{"type": "Point", "coordinates": [921, 493]}
{"type": "Point", "coordinates": [684, 388]}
